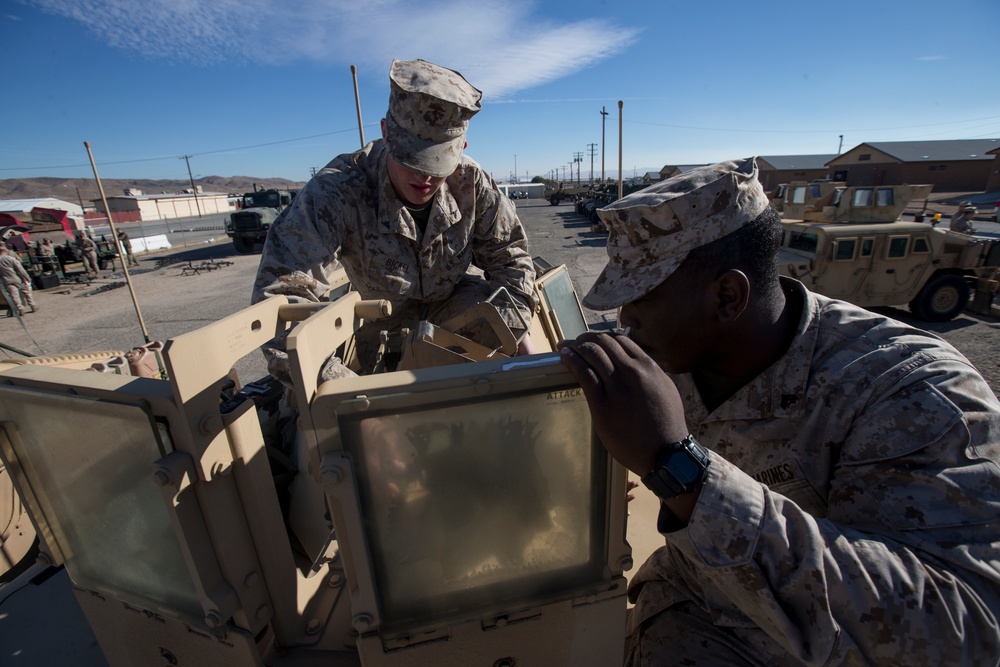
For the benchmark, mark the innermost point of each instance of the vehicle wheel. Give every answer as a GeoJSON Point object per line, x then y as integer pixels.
{"type": "Point", "coordinates": [942, 299]}
{"type": "Point", "coordinates": [243, 245]}
{"type": "Point", "coordinates": [102, 263]}
{"type": "Point", "coordinates": [554, 201]}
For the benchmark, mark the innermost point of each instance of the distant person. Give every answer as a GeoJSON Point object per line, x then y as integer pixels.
{"type": "Point", "coordinates": [16, 281]}
{"type": "Point", "coordinates": [88, 254]}
{"type": "Point", "coordinates": [962, 220]}
{"type": "Point", "coordinates": [407, 216]}
{"type": "Point", "coordinates": [126, 244]}
{"type": "Point", "coordinates": [829, 478]}
{"type": "Point", "coordinates": [47, 255]}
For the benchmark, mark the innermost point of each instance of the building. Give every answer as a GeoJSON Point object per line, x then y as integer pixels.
{"type": "Point", "coordinates": [960, 165]}
{"type": "Point", "coordinates": [777, 169]}
{"type": "Point", "coordinates": [135, 206]}
{"type": "Point", "coordinates": [21, 208]}
{"type": "Point", "coordinates": [671, 170]}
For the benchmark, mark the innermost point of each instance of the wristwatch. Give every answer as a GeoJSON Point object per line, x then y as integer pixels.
{"type": "Point", "coordinates": [681, 467]}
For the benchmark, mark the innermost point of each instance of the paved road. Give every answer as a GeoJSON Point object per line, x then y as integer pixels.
{"type": "Point", "coordinates": [42, 625]}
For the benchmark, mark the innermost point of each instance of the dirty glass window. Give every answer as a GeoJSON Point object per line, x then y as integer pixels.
{"type": "Point", "coordinates": [814, 191]}
{"type": "Point", "coordinates": [837, 194]}
{"type": "Point", "coordinates": [843, 250]}
{"type": "Point", "coordinates": [897, 247]}
{"type": "Point", "coordinates": [805, 242]}
{"type": "Point", "coordinates": [920, 245]}
{"type": "Point", "coordinates": [867, 246]}
{"type": "Point", "coordinates": [799, 194]}
{"type": "Point", "coordinates": [885, 197]}
{"type": "Point", "coordinates": [863, 197]}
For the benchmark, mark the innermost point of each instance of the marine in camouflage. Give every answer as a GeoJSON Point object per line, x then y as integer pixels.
{"type": "Point", "coordinates": [349, 215]}
{"type": "Point", "coordinates": [851, 514]}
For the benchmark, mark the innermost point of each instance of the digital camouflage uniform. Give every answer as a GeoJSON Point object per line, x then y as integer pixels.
{"type": "Point", "coordinates": [851, 511]}
{"type": "Point", "coordinates": [16, 282]}
{"type": "Point", "coordinates": [126, 244]}
{"type": "Point", "coordinates": [88, 254]}
{"type": "Point", "coordinates": [47, 255]}
{"type": "Point", "coordinates": [349, 214]}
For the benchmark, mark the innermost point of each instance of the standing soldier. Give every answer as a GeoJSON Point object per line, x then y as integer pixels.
{"type": "Point", "coordinates": [88, 253]}
{"type": "Point", "coordinates": [47, 255]}
{"type": "Point", "coordinates": [16, 281]}
{"type": "Point", "coordinates": [127, 248]}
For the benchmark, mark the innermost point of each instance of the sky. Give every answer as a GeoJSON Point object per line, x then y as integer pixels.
{"type": "Point", "coordinates": [264, 88]}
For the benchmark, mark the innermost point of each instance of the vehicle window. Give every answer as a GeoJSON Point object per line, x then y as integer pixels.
{"type": "Point", "coordinates": [799, 194]}
{"type": "Point", "coordinates": [867, 246]}
{"type": "Point", "coordinates": [885, 197]}
{"type": "Point", "coordinates": [843, 250]}
{"type": "Point", "coordinates": [897, 247]}
{"type": "Point", "coordinates": [863, 197]}
{"type": "Point", "coordinates": [837, 194]}
{"type": "Point", "coordinates": [814, 191]}
{"type": "Point", "coordinates": [920, 244]}
{"type": "Point", "coordinates": [805, 242]}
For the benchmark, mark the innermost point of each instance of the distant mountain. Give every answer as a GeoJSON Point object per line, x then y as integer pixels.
{"type": "Point", "coordinates": [75, 189]}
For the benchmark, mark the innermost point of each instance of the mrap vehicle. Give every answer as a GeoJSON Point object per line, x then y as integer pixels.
{"type": "Point", "coordinates": [851, 245]}
{"type": "Point", "coordinates": [460, 513]}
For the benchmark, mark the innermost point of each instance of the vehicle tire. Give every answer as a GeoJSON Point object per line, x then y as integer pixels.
{"type": "Point", "coordinates": [941, 299]}
{"type": "Point", "coordinates": [243, 245]}
{"type": "Point", "coordinates": [102, 263]}
{"type": "Point", "coordinates": [554, 200]}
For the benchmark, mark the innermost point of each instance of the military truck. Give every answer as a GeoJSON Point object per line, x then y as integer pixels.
{"type": "Point", "coordinates": [455, 514]}
{"type": "Point", "coordinates": [851, 245]}
{"type": "Point", "coordinates": [566, 192]}
{"type": "Point", "coordinates": [259, 209]}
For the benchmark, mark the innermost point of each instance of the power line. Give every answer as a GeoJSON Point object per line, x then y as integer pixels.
{"type": "Point", "coordinates": [181, 157]}
{"type": "Point", "coordinates": [868, 129]}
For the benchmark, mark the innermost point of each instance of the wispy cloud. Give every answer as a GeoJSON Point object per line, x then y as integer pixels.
{"type": "Point", "coordinates": [501, 46]}
{"type": "Point", "coordinates": [929, 58]}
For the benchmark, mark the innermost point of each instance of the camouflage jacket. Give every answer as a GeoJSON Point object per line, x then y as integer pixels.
{"type": "Point", "coordinates": [11, 270]}
{"type": "Point", "coordinates": [349, 213]}
{"type": "Point", "coordinates": [851, 513]}
{"type": "Point", "coordinates": [86, 244]}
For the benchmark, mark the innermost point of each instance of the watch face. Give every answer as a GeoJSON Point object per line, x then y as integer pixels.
{"type": "Point", "coordinates": [684, 468]}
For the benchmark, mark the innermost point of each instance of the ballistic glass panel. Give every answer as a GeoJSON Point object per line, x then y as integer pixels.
{"type": "Point", "coordinates": [89, 464]}
{"type": "Point", "coordinates": [558, 297]}
{"type": "Point", "coordinates": [479, 503]}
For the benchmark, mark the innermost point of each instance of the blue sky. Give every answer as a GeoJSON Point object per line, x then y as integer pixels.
{"type": "Point", "coordinates": [263, 87]}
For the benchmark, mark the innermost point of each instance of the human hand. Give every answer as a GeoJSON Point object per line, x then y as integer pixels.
{"type": "Point", "coordinates": [635, 407]}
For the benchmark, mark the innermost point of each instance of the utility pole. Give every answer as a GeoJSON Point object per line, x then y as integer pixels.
{"type": "Point", "coordinates": [515, 167]}
{"type": "Point", "coordinates": [194, 190]}
{"type": "Point", "coordinates": [840, 145]}
{"type": "Point", "coordinates": [604, 115]}
{"type": "Point", "coordinates": [577, 158]}
{"type": "Point", "coordinates": [592, 149]}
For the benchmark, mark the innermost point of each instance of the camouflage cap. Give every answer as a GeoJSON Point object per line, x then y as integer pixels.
{"type": "Point", "coordinates": [652, 231]}
{"type": "Point", "coordinates": [429, 112]}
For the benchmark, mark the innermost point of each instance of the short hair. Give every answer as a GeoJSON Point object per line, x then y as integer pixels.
{"type": "Point", "coordinates": [752, 249]}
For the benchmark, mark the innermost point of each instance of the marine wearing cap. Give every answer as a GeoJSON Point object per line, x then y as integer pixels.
{"type": "Point", "coordinates": [652, 231]}
{"type": "Point", "coordinates": [429, 111]}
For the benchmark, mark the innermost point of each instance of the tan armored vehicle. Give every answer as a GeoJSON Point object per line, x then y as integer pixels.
{"type": "Point", "coordinates": [851, 245]}
{"type": "Point", "coordinates": [458, 514]}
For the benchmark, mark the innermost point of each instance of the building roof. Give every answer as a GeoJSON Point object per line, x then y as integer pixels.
{"type": "Point", "coordinates": [166, 195]}
{"type": "Point", "coordinates": [25, 205]}
{"type": "Point", "coordinates": [786, 162]}
{"type": "Point", "coordinates": [937, 151]}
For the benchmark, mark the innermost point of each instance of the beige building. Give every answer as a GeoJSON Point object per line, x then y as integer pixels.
{"type": "Point", "coordinates": [961, 165]}
{"type": "Point", "coordinates": [136, 206]}
{"type": "Point", "coordinates": [778, 169]}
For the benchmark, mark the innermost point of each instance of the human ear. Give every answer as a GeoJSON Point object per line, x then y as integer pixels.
{"type": "Point", "coordinates": [733, 289]}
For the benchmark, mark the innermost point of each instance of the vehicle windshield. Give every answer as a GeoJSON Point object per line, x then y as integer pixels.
{"type": "Point", "coordinates": [261, 199]}
{"type": "Point", "coordinates": [804, 242]}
